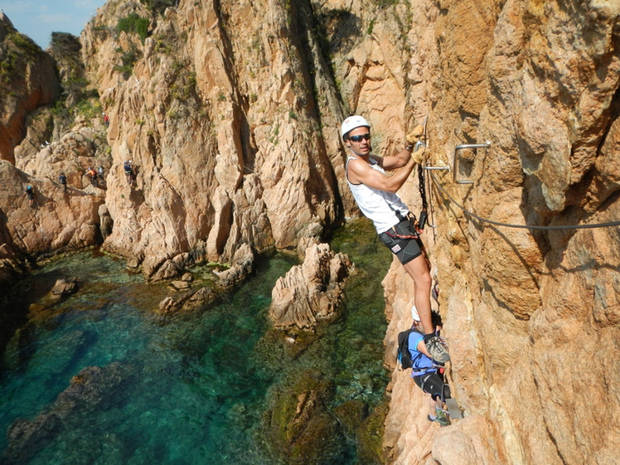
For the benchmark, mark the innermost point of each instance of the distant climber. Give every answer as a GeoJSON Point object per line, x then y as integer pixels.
{"type": "Point", "coordinates": [375, 195]}
{"type": "Point", "coordinates": [106, 120]}
{"type": "Point", "coordinates": [62, 179]}
{"type": "Point", "coordinates": [129, 172]}
{"type": "Point", "coordinates": [427, 374]}
{"type": "Point", "coordinates": [92, 174]}
{"type": "Point", "coordinates": [30, 194]}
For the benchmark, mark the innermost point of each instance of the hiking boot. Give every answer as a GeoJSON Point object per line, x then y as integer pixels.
{"type": "Point", "coordinates": [438, 349]}
{"type": "Point", "coordinates": [440, 417]}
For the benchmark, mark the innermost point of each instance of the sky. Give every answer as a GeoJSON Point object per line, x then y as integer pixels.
{"type": "Point", "coordinates": [39, 18]}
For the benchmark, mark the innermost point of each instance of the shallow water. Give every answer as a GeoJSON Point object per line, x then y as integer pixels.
{"type": "Point", "coordinates": [197, 385]}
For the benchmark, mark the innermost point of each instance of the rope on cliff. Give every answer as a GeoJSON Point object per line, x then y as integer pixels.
{"type": "Point", "coordinates": [521, 226]}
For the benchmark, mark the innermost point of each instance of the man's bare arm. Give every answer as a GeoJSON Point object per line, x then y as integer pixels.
{"type": "Point", "coordinates": [361, 172]}
{"type": "Point", "coordinates": [398, 160]}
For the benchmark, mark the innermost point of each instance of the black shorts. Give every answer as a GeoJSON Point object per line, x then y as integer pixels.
{"type": "Point", "coordinates": [405, 248]}
{"type": "Point", "coordinates": [433, 384]}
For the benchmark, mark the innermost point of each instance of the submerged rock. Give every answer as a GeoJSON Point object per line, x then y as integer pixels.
{"type": "Point", "coordinates": [92, 388]}
{"type": "Point", "coordinates": [299, 427]}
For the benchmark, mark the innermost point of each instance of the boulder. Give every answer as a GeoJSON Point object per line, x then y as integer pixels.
{"type": "Point", "coordinates": [186, 301]}
{"type": "Point", "coordinates": [310, 292]}
{"type": "Point", "coordinates": [64, 287]}
{"type": "Point", "coordinates": [241, 267]}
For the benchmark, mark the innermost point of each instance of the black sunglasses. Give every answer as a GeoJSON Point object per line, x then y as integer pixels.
{"type": "Point", "coordinates": [360, 137]}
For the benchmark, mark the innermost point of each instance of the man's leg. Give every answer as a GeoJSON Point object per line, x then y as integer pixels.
{"type": "Point", "coordinates": [419, 272]}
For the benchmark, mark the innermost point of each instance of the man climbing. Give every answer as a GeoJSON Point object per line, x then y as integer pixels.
{"type": "Point", "coordinates": [128, 168]}
{"type": "Point", "coordinates": [375, 195]}
{"type": "Point", "coordinates": [30, 194]}
{"type": "Point", "coordinates": [92, 174]}
{"type": "Point", "coordinates": [62, 178]}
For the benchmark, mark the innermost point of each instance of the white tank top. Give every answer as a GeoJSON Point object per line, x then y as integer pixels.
{"type": "Point", "coordinates": [380, 206]}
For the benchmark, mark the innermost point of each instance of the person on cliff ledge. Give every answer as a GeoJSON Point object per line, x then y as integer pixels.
{"type": "Point", "coordinates": [375, 194]}
{"type": "Point", "coordinates": [62, 178]}
{"type": "Point", "coordinates": [92, 174]}
{"type": "Point", "coordinates": [30, 194]}
{"type": "Point", "coordinates": [427, 374]}
{"type": "Point", "coordinates": [129, 173]}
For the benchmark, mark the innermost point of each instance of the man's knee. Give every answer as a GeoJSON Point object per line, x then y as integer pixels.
{"type": "Point", "coordinates": [423, 279]}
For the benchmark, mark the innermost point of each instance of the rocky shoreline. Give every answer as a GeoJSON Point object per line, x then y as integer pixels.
{"type": "Point", "coordinates": [231, 127]}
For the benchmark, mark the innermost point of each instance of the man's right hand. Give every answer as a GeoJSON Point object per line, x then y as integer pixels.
{"type": "Point", "coordinates": [415, 134]}
{"type": "Point", "coordinates": [418, 155]}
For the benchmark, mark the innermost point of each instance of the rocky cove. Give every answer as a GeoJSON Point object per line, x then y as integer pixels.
{"type": "Point", "coordinates": [232, 126]}
{"type": "Point", "coordinates": [101, 377]}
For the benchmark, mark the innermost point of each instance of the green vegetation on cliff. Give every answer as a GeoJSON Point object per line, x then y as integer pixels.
{"type": "Point", "coordinates": [134, 23]}
{"type": "Point", "coordinates": [16, 50]}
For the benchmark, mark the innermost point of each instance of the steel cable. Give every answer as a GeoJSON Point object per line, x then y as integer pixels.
{"type": "Point", "coordinates": [521, 226]}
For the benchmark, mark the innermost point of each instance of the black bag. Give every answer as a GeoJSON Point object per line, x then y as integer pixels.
{"type": "Point", "coordinates": [403, 355]}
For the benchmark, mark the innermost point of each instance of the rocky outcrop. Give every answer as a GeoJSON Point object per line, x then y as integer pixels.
{"type": "Point", "coordinates": [255, 168]}
{"type": "Point", "coordinates": [311, 292]}
{"type": "Point", "coordinates": [242, 265]}
{"type": "Point", "coordinates": [73, 154]}
{"type": "Point", "coordinates": [27, 80]}
{"type": "Point", "coordinates": [186, 301]}
{"type": "Point", "coordinates": [53, 220]}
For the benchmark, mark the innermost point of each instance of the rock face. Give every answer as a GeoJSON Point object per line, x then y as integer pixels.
{"type": "Point", "coordinates": [526, 313]}
{"type": "Point", "coordinates": [41, 142]}
{"type": "Point", "coordinates": [310, 292]}
{"type": "Point", "coordinates": [27, 81]}
{"type": "Point", "coordinates": [53, 220]}
{"type": "Point", "coordinates": [218, 115]}
{"type": "Point", "coordinates": [232, 125]}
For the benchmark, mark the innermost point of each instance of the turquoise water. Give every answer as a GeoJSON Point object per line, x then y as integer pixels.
{"type": "Point", "coordinates": [193, 389]}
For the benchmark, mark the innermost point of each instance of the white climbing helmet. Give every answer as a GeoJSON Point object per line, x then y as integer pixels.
{"type": "Point", "coordinates": [351, 123]}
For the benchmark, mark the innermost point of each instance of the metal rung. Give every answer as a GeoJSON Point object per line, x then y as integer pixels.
{"type": "Point", "coordinates": [484, 145]}
{"type": "Point", "coordinates": [443, 168]}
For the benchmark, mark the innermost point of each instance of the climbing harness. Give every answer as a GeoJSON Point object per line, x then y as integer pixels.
{"type": "Point", "coordinates": [394, 234]}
